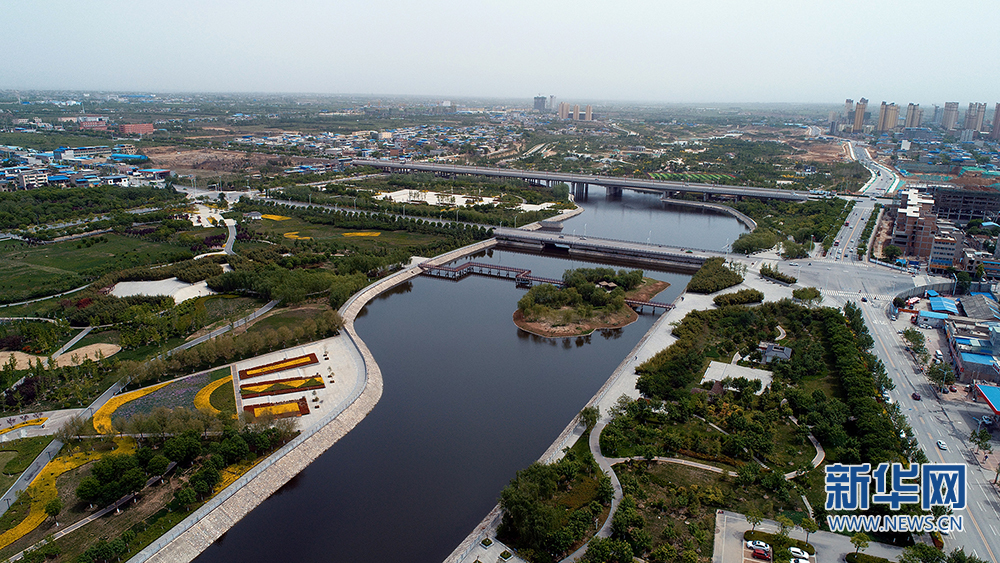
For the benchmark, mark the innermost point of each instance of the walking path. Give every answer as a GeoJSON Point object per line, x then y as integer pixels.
{"type": "Point", "coordinates": [72, 342]}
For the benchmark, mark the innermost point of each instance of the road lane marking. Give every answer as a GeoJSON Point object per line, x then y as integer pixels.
{"type": "Point", "coordinates": [986, 543]}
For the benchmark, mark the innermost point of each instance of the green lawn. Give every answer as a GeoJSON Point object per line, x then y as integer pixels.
{"type": "Point", "coordinates": [54, 268]}
{"type": "Point", "coordinates": [329, 233]}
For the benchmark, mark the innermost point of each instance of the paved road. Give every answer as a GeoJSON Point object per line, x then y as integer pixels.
{"type": "Point", "coordinates": [884, 179]}
{"type": "Point", "coordinates": [228, 248]}
{"type": "Point", "coordinates": [730, 547]}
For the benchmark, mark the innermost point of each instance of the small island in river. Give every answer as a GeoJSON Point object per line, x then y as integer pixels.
{"type": "Point", "coordinates": [589, 299]}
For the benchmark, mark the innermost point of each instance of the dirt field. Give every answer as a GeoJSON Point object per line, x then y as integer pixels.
{"type": "Point", "coordinates": [819, 151]}
{"type": "Point", "coordinates": [212, 162]}
{"type": "Point", "coordinates": [66, 359]}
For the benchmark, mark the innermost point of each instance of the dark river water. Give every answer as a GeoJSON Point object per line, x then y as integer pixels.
{"type": "Point", "coordinates": [468, 400]}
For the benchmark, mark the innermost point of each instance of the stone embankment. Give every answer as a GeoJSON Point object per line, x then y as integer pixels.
{"type": "Point", "coordinates": [196, 533]}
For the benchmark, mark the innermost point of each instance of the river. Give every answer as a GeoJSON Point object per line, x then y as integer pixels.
{"type": "Point", "coordinates": [468, 400]}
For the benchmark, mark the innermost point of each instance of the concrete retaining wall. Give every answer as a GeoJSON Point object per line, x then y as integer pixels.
{"type": "Point", "coordinates": [198, 531]}
{"type": "Point", "coordinates": [742, 218]}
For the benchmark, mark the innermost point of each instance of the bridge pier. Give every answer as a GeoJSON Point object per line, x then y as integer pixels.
{"type": "Point", "coordinates": [614, 191]}
{"type": "Point", "coordinates": [581, 189]}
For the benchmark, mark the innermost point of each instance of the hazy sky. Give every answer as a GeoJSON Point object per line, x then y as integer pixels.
{"type": "Point", "coordinates": [580, 50]}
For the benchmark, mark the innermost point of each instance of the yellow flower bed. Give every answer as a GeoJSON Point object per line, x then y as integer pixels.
{"type": "Point", "coordinates": [202, 401]}
{"type": "Point", "coordinates": [279, 367]}
{"type": "Point", "coordinates": [36, 422]}
{"type": "Point", "coordinates": [276, 410]}
{"type": "Point", "coordinates": [102, 418]}
{"type": "Point", "coordinates": [276, 217]}
{"type": "Point", "coordinates": [362, 234]}
{"type": "Point", "coordinates": [294, 235]}
{"type": "Point", "coordinates": [234, 472]}
{"type": "Point", "coordinates": [43, 487]}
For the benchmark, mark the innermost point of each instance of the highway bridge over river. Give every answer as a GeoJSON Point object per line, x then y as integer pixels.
{"type": "Point", "coordinates": [580, 183]}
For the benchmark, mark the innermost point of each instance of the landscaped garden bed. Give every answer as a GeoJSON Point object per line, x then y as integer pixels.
{"type": "Point", "coordinates": [290, 363]}
{"type": "Point", "coordinates": [284, 409]}
{"type": "Point", "coordinates": [281, 386]}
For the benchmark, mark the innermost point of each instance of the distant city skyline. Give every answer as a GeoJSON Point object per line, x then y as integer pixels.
{"type": "Point", "coordinates": [717, 51]}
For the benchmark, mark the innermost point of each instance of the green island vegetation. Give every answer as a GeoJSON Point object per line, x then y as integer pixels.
{"type": "Point", "coordinates": [46, 205]}
{"type": "Point", "coordinates": [741, 297]}
{"type": "Point", "coordinates": [583, 303]}
{"type": "Point", "coordinates": [830, 385]}
{"type": "Point", "coordinates": [549, 510]}
{"type": "Point", "coordinates": [715, 275]}
{"type": "Point", "coordinates": [797, 226]}
{"type": "Point", "coordinates": [209, 451]}
{"type": "Point", "coordinates": [867, 232]}
{"type": "Point", "coordinates": [361, 194]}
{"type": "Point", "coordinates": [767, 271]}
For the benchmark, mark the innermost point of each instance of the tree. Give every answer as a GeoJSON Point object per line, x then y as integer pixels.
{"type": "Point", "coordinates": [860, 541]}
{"type": "Point", "coordinates": [53, 508]}
{"type": "Point", "coordinates": [754, 516]}
{"type": "Point", "coordinates": [981, 438]}
{"type": "Point", "coordinates": [921, 553]}
{"type": "Point", "coordinates": [590, 415]}
{"type": "Point", "coordinates": [808, 295]}
{"type": "Point", "coordinates": [915, 339]}
{"type": "Point", "coordinates": [810, 526]}
{"type": "Point", "coordinates": [891, 252]}
{"type": "Point", "coordinates": [785, 524]}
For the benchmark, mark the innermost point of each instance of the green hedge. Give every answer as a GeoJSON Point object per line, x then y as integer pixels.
{"type": "Point", "coordinates": [713, 276]}
{"type": "Point", "coordinates": [773, 273]}
{"type": "Point", "coordinates": [741, 297]}
{"type": "Point", "coordinates": [865, 558]}
{"type": "Point", "coordinates": [772, 539]}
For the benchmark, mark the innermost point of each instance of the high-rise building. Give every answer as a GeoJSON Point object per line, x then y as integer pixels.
{"type": "Point", "coordinates": [589, 113]}
{"type": "Point", "coordinates": [936, 118]}
{"type": "Point", "coordinates": [576, 112]}
{"type": "Point", "coordinates": [539, 103]}
{"type": "Point", "coordinates": [552, 103]}
{"type": "Point", "coordinates": [995, 132]}
{"type": "Point", "coordinates": [913, 115]}
{"type": "Point", "coordinates": [974, 116]}
{"type": "Point", "coordinates": [888, 117]}
{"type": "Point", "coordinates": [859, 115]}
{"type": "Point", "coordinates": [563, 110]}
{"type": "Point", "coordinates": [950, 118]}
{"type": "Point", "coordinates": [848, 108]}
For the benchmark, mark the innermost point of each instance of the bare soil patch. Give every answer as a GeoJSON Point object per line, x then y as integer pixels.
{"type": "Point", "coordinates": [819, 151]}
{"type": "Point", "coordinates": [211, 162]}
{"type": "Point", "coordinates": [71, 358]}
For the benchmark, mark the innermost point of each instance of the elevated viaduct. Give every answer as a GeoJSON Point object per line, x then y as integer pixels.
{"type": "Point", "coordinates": [580, 183]}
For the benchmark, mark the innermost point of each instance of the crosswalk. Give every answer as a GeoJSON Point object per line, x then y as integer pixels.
{"type": "Point", "coordinates": [856, 296]}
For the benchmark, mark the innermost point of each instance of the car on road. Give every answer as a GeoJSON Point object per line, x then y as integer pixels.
{"type": "Point", "coordinates": [757, 544]}
{"type": "Point", "coordinates": [798, 553]}
{"type": "Point", "coordinates": [762, 555]}
{"type": "Point", "coordinates": [864, 299]}
{"type": "Point", "coordinates": [941, 445]}
{"type": "Point", "coordinates": [916, 396]}
{"type": "Point", "coordinates": [953, 389]}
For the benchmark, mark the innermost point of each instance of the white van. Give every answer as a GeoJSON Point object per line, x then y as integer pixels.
{"type": "Point", "coordinates": [937, 354]}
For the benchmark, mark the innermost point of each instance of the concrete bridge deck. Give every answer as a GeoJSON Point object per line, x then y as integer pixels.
{"type": "Point", "coordinates": [655, 255]}
{"type": "Point", "coordinates": [579, 182]}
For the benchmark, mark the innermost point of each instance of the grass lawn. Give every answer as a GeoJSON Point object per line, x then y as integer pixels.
{"type": "Point", "coordinates": [59, 267]}
{"type": "Point", "coordinates": [288, 318]}
{"type": "Point", "coordinates": [27, 450]}
{"type": "Point", "coordinates": [303, 228]}
{"type": "Point", "coordinates": [223, 398]}
{"type": "Point", "coordinates": [789, 451]}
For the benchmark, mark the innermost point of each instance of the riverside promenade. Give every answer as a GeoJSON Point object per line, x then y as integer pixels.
{"type": "Point", "coordinates": [621, 382]}
{"type": "Point", "coordinates": [198, 531]}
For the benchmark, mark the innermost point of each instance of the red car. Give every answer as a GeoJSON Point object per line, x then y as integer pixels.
{"type": "Point", "coordinates": [916, 396]}
{"type": "Point", "coordinates": [761, 554]}
{"type": "Point", "coordinates": [953, 389]}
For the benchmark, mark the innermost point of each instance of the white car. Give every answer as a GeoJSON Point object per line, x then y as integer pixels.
{"type": "Point", "coordinates": [798, 554]}
{"type": "Point", "coordinates": [757, 544]}
{"type": "Point", "coordinates": [942, 445]}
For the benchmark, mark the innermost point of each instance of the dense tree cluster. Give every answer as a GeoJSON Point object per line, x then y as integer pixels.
{"type": "Point", "coordinates": [805, 222]}
{"type": "Point", "coordinates": [767, 271]}
{"type": "Point", "coordinates": [713, 276]}
{"type": "Point", "coordinates": [52, 204]}
{"type": "Point", "coordinates": [541, 529]}
{"type": "Point", "coordinates": [31, 336]}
